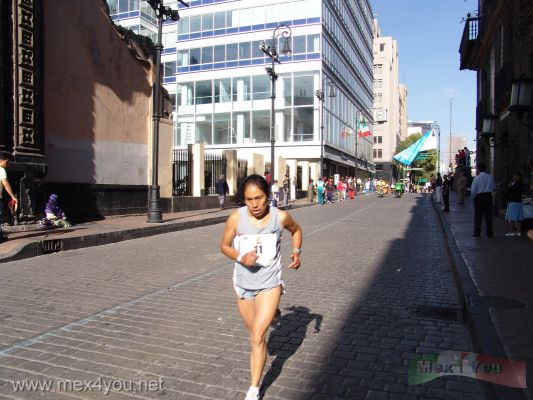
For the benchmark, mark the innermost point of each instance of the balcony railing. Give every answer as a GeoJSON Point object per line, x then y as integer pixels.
{"type": "Point", "coordinates": [468, 41]}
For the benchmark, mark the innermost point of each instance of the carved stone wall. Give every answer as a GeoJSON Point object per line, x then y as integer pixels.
{"type": "Point", "coordinates": [21, 134]}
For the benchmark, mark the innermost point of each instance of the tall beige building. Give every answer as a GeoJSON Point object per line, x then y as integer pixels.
{"type": "Point", "coordinates": [387, 113]}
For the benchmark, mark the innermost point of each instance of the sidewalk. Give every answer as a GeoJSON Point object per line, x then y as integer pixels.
{"type": "Point", "coordinates": [496, 277]}
{"type": "Point", "coordinates": [21, 245]}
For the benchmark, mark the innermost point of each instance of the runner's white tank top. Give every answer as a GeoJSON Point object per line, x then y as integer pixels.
{"type": "Point", "coordinates": [266, 241]}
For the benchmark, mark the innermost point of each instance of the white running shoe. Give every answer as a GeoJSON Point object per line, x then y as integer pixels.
{"type": "Point", "coordinates": [518, 234]}
{"type": "Point", "coordinates": [252, 396]}
{"type": "Point", "coordinates": [509, 234]}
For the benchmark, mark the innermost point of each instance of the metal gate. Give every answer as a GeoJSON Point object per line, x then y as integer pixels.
{"type": "Point", "coordinates": [214, 167]}
{"type": "Point", "coordinates": [181, 173]}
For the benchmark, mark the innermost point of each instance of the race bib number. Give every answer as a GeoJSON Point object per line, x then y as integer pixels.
{"type": "Point", "coordinates": [264, 245]}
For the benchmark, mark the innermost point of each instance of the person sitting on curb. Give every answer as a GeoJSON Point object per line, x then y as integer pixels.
{"type": "Point", "coordinates": [54, 213]}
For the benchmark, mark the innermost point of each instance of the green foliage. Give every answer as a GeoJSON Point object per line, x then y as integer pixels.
{"type": "Point", "coordinates": [428, 164]}
{"type": "Point", "coordinates": [411, 139]}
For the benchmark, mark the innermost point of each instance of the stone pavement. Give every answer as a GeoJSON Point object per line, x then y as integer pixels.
{"type": "Point", "coordinates": [110, 230]}
{"type": "Point", "coordinates": [495, 275]}
{"type": "Point", "coordinates": [352, 316]}
{"type": "Point", "coordinates": [162, 308]}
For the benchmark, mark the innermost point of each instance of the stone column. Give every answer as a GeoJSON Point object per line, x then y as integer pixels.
{"type": "Point", "coordinates": [256, 164]}
{"type": "Point", "coordinates": [198, 184]}
{"type": "Point", "coordinates": [314, 171]}
{"type": "Point", "coordinates": [305, 174]}
{"type": "Point", "coordinates": [164, 165]}
{"type": "Point", "coordinates": [231, 170]}
{"type": "Point", "coordinates": [281, 167]}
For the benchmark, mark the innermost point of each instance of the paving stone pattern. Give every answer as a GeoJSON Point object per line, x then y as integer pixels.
{"type": "Point", "coordinates": [163, 308]}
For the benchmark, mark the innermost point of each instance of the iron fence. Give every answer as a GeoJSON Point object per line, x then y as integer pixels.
{"type": "Point", "coordinates": [214, 167]}
{"type": "Point", "coordinates": [181, 173]}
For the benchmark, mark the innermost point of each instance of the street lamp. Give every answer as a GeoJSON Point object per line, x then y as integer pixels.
{"type": "Point", "coordinates": [522, 100]}
{"type": "Point", "coordinates": [321, 96]}
{"type": "Point", "coordinates": [285, 32]}
{"type": "Point", "coordinates": [163, 13]}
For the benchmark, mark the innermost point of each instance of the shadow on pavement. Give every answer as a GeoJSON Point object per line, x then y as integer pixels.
{"type": "Point", "coordinates": [287, 336]}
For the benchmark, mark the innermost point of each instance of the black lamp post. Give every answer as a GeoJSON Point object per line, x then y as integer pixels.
{"type": "Point", "coordinates": [321, 96]}
{"type": "Point", "coordinates": [285, 32]}
{"type": "Point", "coordinates": [163, 14]}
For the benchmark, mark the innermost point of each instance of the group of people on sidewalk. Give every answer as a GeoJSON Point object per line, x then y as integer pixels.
{"type": "Point", "coordinates": [54, 215]}
{"type": "Point", "coordinates": [482, 189]}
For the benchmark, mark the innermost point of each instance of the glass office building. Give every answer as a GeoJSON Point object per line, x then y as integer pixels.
{"type": "Point", "coordinates": [215, 73]}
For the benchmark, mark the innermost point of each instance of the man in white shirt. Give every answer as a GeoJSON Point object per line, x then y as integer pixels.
{"type": "Point", "coordinates": [481, 190]}
{"type": "Point", "coordinates": [4, 183]}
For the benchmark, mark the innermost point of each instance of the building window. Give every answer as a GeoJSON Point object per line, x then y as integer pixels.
{"type": "Point", "coordinates": [196, 55]}
{"type": "Point", "coordinates": [232, 52]}
{"type": "Point", "coordinates": [170, 68]}
{"type": "Point", "coordinates": [382, 47]}
{"type": "Point", "coordinates": [204, 93]}
{"type": "Point", "coordinates": [223, 90]}
{"type": "Point", "coordinates": [298, 44]}
{"type": "Point", "coordinates": [220, 53]}
{"type": "Point", "coordinates": [378, 139]}
{"type": "Point", "coordinates": [207, 55]}
{"type": "Point", "coordinates": [378, 153]}
{"type": "Point", "coordinates": [261, 126]}
{"type": "Point", "coordinates": [244, 51]}
{"type": "Point", "coordinates": [303, 124]}
{"type": "Point", "coordinates": [241, 89]}
{"type": "Point", "coordinates": [223, 130]}
{"type": "Point", "coordinates": [220, 20]}
{"type": "Point", "coordinates": [378, 69]}
{"type": "Point", "coordinates": [241, 126]}
{"type": "Point", "coordinates": [204, 127]}
{"type": "Point", "coordinates": [303, 90]}
{"type": "Point", "coordinates": [261, 87]}
{"type": "Point", "coordinates": [378, 83]}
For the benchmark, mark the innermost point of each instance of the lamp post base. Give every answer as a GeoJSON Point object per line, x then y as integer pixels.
{"type": "Point", "coordinates": [155, 214]}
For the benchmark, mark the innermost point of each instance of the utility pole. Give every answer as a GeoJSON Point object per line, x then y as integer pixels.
{"type": "Point", "coordinates": [450, 143]}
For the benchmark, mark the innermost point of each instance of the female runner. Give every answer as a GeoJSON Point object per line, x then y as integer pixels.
{"type": "Point", "coordinates": [252, 237]}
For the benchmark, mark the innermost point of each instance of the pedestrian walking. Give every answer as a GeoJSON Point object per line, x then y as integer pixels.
{"type": "Point", "coordinates": [446, 193]}
{"type": "Point", "coordinates": [286, 193]}
{"type": "Point", "coordinates": [330, 187]}
{"type": "Point", "coordinates": [320, 187]}
{"type": "Point", "coordinates": [460, 184]}
{"type": "Point", "coordinates": [310, 191]}
{"type": "Point", "coordinates": [515, 211]}
{"type": "Point", "coordinates": [275, 194]}
{"type": "Point", "coordinates": [252, 237]}
{"type": "Point", "coordinates": [438, 188]}
{"type": "Point", "coordinates": [222, 190]}
{"type": "Point", "coordinates": [482, 187]}
{"type": "Point", "coordinates": [4, 184]}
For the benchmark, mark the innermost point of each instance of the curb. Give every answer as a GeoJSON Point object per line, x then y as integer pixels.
{"type": "Point", "coordinates": [42, 247]}
{"type": "Point", "coordinates": [485, 339]}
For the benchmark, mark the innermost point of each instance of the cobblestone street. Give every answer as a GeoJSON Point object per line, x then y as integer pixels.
{"type": "Point", "coordinates": [162, 310]}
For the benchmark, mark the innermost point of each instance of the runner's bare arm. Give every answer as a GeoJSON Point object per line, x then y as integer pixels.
{"type": "Point", "coordinates": [290, 224]}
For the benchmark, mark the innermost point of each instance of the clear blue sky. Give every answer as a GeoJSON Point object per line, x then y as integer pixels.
{"type": "Point", "coordinates": [428, 33]}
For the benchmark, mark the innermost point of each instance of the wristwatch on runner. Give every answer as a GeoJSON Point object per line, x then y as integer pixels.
{"type": "Point", "coordinates": [297, 250]}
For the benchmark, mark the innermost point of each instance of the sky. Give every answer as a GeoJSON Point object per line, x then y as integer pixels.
{"type": "Point", "coordinates": [428, 34]}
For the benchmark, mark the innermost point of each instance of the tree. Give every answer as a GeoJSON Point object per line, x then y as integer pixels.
{"type": "Point", "coordinates": [428, 163]}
